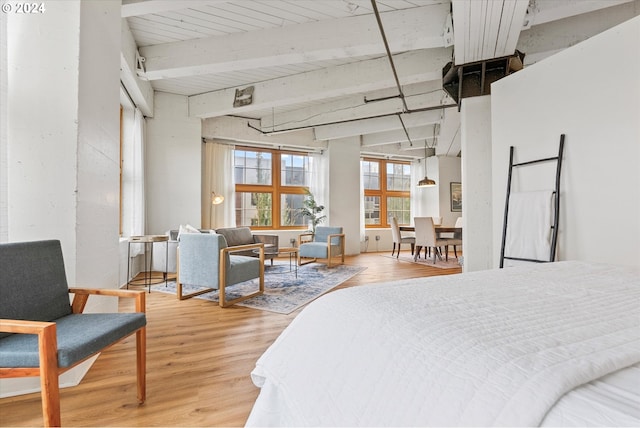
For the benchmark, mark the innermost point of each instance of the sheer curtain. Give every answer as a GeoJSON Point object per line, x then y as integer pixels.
{"type": "Point", "coordinates": [133, 175]}
{"type": "Point", "coordinates": [319, 180]}
{"type": "Point", "coordinates": [363, 231]}
{"type": "Point", "coordinates": [218, 178]}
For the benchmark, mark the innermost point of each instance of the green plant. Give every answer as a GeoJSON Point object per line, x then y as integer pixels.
{"type": "Point", "coordinates": [312, 210]}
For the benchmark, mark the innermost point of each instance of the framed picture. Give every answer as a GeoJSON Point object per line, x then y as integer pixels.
{"type": "Point", "coordinates": [456, 197]}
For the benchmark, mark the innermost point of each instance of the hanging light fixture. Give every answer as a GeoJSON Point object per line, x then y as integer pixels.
{"type": "Point", "coordinates": [216, 199]}
{"type": "Point", "coordinates": [426, 181]}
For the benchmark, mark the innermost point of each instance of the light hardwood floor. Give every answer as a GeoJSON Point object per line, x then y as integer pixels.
{"type": "Point", "coordinates": [199, 357]}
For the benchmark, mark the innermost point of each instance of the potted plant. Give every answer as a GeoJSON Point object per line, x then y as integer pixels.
{"type": "Point", "coordinates": [312, 210]}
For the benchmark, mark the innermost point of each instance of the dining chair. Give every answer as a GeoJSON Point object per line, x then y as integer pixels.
{"type": "Point", "coordinates": [399, 239]}
{"type": "Point", "coordinates": [426, 237]}
{"type": "Point", "coordinates": [457, 237]}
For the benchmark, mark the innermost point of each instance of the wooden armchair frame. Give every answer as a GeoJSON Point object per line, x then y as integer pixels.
{"type": "Point", "coordinates": [48, 369]}
{"type": "Point", "coordinates": [223, 273]}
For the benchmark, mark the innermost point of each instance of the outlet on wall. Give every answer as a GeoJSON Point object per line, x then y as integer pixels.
{"type": "Point", "coordinates": [377, 237]}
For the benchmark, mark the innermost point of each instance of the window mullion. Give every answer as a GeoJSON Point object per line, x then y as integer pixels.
{"type": "Point", "coordinates": [277, 178]}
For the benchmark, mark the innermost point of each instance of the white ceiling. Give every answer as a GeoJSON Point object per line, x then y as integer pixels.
{"type": "Point", "coordinates": [322, 65]}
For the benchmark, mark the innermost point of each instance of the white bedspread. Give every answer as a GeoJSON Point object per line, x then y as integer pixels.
{"type": "Point", "coordinates": [486, 348]}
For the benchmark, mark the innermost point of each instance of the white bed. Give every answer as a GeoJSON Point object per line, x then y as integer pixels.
{"type": "Point", "coordinates": [549, 344]}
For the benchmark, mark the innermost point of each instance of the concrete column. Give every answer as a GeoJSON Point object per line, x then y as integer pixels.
{"type": "Point", "coordinates": [344, 190]}
{"type": "Point", "coordinates": [63, 154]}
{"type": "Point", "coordinates": [476, 191]}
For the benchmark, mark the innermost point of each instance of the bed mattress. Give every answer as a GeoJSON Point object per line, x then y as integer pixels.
{"type": "Point", "coordinates": [551, 344]}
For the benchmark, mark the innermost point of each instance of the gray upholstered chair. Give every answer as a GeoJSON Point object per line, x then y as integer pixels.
{"type": "Point", "coordinates": [43, 334]}
{"type": "Point", "coordinates": [426, 237]}
{"type": "Point", "coordinates": [326, 244]}
{"type": "Point", "coordinates": [205, 260]}
{"type": "Point", "coordinates": [399, 239]}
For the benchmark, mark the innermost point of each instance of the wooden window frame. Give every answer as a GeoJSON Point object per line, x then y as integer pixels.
{"type": "Point", "coordinates": [382, 191]}
{"type": "Point", "coordinates": [276, 189]}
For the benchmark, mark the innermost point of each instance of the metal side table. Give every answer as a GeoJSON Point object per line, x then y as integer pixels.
{"type": "Point", "coordinates": [147, 241]}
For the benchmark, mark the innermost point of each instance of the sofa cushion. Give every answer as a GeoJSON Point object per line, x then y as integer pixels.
{"type": "Point", "coordinates": [186, 229]}
{"type": "Point", "coordinates": [236, 235]}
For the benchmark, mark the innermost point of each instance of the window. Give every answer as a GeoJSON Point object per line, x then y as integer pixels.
{"type": "Point", "coordinates": [386, 192]}
{"type": "Point", "coordinates": [270, 187]}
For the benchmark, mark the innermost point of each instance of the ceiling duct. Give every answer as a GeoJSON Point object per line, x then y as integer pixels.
{"type": "Point", "coordinates": [475, 78]}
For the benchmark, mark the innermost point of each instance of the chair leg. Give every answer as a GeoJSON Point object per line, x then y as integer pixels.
{"type": "Point", "coordinates": [435, 253]}
{"type": "Point", "coordinates": [141, 364]}
{"type": "Point", "coordinates": [49, 384]}
{"type": "Point", "coordinates": [417, 253]}
{"type": "Point", "coordinates": [393, 250]}
{"type": "Point", "coordinates": [413, 247]}
{"type": "Point", "coordinates": [398, 255]}
{"type": "Point", "coordinates": [455, 251]}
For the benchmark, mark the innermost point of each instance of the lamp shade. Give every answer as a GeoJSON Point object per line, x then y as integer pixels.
{"type": "Point", "coordinates": [426, 182]}
{"type": "Point", "coordinates": [216, 199]}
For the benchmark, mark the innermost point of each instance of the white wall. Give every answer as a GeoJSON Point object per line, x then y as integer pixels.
{"type": "Point", "coordinates": [173, 165]}
{"type": "Point", "coordinates": [449, 171]}
{"type": "Point", "coordinates": [435, 201]}
{"type": "Point", "coordinates": [591, 93]}
{"type": "Point", "coordinates": [476, 190]}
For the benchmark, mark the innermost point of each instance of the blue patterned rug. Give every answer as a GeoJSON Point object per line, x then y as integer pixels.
{"type": "Point", "coordinates": [283, 292]}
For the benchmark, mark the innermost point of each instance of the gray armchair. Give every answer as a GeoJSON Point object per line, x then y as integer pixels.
{"type": "Point", "coordinates": [205, 260]}
{"type": "Point", "coordinates": [326, 244]}
{"type": "Point", "coordinates": [42, 334]}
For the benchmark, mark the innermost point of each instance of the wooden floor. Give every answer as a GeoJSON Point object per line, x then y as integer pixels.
{"type": "Point", "coordinates": [199, 358]}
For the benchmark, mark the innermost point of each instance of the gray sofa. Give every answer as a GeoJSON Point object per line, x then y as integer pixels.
{"type": "Point", "coordinates": [242, 236]}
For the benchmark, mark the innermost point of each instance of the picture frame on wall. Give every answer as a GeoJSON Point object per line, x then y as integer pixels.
{"type": "Point", "coordinates": [456, 196]}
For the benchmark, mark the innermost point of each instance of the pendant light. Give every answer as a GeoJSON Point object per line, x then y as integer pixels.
{"type": "Point", "coordinates": [426, 181]}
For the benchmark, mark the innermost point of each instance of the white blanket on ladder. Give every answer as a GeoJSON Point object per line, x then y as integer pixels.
{"type": "Point", "coordinates": [529, 225]}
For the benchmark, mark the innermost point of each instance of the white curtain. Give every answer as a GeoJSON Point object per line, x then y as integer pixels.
{"type": "Point", "coordinates": [133, 176]}
{"type": "Point", "coordinates": [218, 178]}
{"type": "Point", "coordinates": [319, 181]}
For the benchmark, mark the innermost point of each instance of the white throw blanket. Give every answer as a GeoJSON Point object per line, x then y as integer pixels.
{"type": "Point", "coordinates": [486, 348]}
{"type": "Point", "coordinates": [529, 225]}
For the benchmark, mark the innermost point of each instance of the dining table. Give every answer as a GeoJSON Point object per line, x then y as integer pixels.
{"type": "Point", "coordinates": [457, 233]}
{"type": "Point", "coordinates": [439, 229]}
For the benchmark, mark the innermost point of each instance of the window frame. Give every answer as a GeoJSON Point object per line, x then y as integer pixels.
{"type": "Point", "coordinates": [276, 189]}
{"type": "Point", "coordinates": [382, 193]}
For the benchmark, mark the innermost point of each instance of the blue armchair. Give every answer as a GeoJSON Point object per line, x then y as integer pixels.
{"type": "Point", "coordinates": [205, 260]}
{"type": "Point", "coordinates": [43, 334]}
{"type": "Point", "coordinates": [326, 244]}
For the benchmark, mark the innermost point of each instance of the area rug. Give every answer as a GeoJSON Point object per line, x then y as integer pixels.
{"type": "Point", "coordinates": [452, 263]}
{"type": "Point", "coordinates": [284, 293]}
